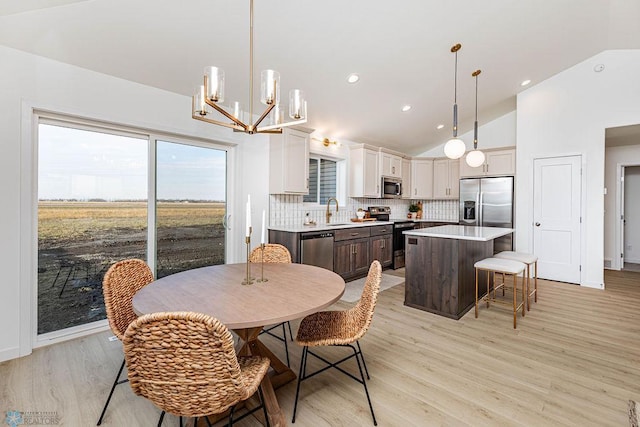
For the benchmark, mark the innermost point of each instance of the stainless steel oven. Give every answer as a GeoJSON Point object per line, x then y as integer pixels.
{"type": "Point", "coordinates": [391, 188]}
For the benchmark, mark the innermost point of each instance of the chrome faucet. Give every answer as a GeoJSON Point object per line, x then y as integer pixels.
{"type": "Point", "coordinates": [328, 203]}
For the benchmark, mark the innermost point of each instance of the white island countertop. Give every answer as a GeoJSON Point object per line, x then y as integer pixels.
{"type": "Point", "coordinates": [461, 232]}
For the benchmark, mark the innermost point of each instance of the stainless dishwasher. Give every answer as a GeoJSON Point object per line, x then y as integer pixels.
{"type": "Point", "coordinates": [317, 249]}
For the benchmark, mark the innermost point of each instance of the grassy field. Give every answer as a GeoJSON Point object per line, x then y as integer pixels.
{"type": "Point", "coordinates": [72, 220]}
{"type": "Point", "coordinates": [78, 241]}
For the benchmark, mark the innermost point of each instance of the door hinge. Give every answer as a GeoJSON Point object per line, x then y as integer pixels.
{"type": "Point", "coordinates": [621, 254]}
{"type": "Point", "coordinates": [580, 268]}
{"type": "Point", "coordinates": [580, 220]}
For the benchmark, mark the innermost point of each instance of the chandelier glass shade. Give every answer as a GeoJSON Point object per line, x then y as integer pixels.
{"type": "Point", "coordinates": [455, 148]}
{"type": "Point", "coordinates": [208, 99]}
{"type": "Point", "coordinates": [475, 158]}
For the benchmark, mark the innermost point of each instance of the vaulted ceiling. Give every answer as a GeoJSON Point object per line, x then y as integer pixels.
{"type": "Point", "coordinates": [401, 50]}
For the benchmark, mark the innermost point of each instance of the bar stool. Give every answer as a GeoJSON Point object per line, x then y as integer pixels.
{"type": "Point", "coordinates": [506, 267]}
{"type": "Point", "coordinates": [527, 259]}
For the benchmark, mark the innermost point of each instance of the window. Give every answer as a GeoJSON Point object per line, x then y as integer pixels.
{"type": "Point", "coordinates": [322, 180]}
{"type": "Point", "coordinates": [107, 194]}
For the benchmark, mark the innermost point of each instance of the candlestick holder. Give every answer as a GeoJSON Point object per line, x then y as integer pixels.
{"type": "Point", "coordinates": [262, 278]}
{"type": "Point", "coordinates": [248, 280]}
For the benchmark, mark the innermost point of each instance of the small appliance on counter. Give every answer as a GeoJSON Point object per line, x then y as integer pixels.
{"type": "Point", "coordinates": [380, 213]}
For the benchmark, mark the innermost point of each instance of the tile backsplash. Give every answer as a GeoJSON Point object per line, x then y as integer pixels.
{"type": "Point", "coordinates": [287, 210]}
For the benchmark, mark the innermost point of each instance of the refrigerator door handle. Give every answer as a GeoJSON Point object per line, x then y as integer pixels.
{"type": "Point", "coordinates": [481, 211]}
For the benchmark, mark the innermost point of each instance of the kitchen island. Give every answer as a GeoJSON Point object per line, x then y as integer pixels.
{"type": "Point", "coordinates": [439, 274]}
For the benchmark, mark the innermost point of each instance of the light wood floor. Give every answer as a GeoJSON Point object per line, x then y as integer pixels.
{"type": "Point", "coordinates": [574, 360]}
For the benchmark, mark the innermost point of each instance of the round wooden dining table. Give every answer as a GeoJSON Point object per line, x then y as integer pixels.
{"type": "Point", "coordinates": [291, 291]}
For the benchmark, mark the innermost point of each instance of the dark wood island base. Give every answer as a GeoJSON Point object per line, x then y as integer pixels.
{"type": "Point", "coordinates": [439, 275]}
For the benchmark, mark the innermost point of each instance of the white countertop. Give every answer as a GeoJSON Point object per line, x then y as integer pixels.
{"type": "Point", "coordinates": [326, 227]}
{"type": "Point", "coordinates": [461, 232]}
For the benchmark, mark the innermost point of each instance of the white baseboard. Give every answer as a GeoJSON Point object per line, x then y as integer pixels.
{"type": "Point", "coordinates": [594, 285]}
{"type": "Point", "coordinates": [632, 260]}
{"type": "Point", "coordinates": [9, 353]}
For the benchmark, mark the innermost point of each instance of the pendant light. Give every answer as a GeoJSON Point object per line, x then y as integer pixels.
{"type": "Point", "coordinates": [455, 148]}
{"type": "Point", "coordinates": [475, 158]}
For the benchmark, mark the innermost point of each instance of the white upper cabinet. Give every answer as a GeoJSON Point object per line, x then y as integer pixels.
{"type": "Point", "coordinates": [421, 179]}
{"type": "Point", "coordinates": [446, 174]}
{"type": "Point", "coordinates": [390, 163]}
{"type": "Point", "coordinates": [406, 178]}
{"type": "Point", "coordinates": [289, 162]}
{"type": "Point", "coordinates": [363, 172]}
{"type": "Point", "coordinates": [497, 162]}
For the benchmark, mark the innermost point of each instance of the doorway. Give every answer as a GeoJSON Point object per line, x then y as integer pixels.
{"type": "Point", "coordinates": [630, 223]}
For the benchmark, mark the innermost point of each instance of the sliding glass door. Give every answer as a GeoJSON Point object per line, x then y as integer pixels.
{"type": "Point", "coordinates": [92, 211]}
{"type": "Point", "coordinates": [105, 195]}
{"type": "Point", "coordinates": [191, 204]}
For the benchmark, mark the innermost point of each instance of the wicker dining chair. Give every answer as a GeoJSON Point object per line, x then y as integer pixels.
{"type": "Point", "coordinates": [120, 283]}
{"type": "Point", "coordinates": [340, 328]}
{"type": "Point", "coordinates": [185, 364]}
{"type": "Point", "coordinates": [274, 253]}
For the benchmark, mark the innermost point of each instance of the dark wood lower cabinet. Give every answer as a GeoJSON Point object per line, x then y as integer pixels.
{"type": "Point", "coordinates": [439, 274]}
{"type": "Point", "coordinates": [351, 257]}
{"type": "Point", "coordinates": [382, 249]}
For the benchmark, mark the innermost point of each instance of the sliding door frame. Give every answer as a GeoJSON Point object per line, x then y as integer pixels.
{"type": "Point", "coordinates": [27, 299]}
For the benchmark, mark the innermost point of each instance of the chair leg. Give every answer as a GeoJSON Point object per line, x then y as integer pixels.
{"type": "Point", "coordinates": [113, 387]}
{"type": "Point", "coordinates": [286, 346]}
{"type": "Point", "coordinates": [264, 407]}
{"type": "Point", "coordinates": [290, 333]}
{"type": "Point", "coordinates": [161, 418]}
{"type": "Point", "coordinates": [515, 293]}
{"type": "Point", "coordinates": [364, 383]}
{"type": "Point", "coordinates": [362, 357]}
{"type": "Point", "coordinates": [181, 421]}
{"type": "Point", "coordinates": [231, 416]}
{"type": "Point", "coordinates": [528, 286]}
{"type": "Point", "coordinates": [303, 365]}
{"type": "Point", "coordinates": [476, 293]}
{"type": "Point", "coordinates": [524, 301]}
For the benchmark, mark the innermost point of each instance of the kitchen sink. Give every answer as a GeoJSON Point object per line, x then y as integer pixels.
{"type": "Point", "coordinates": [337, 225]}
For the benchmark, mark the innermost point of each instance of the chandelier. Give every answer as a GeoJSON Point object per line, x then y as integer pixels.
{"type": "Point", "coordinates": [455, 148]}
{"type": "Point", "coordinates": [211, 94]}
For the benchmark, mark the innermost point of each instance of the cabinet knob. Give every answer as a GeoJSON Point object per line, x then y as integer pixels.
{"type": "Point", "coordinates": [537, 224]}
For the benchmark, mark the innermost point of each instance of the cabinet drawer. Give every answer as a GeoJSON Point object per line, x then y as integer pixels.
{"type": "Point", "coordinates": [351, 233]}
{"type": "Point", "coordinates": [377, 230]}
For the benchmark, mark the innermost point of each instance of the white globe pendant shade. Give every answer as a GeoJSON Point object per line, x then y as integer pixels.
{"type": "Point", "coordinates": [454, 148]}
{"type": "Point", "coordinates": [475, 158]}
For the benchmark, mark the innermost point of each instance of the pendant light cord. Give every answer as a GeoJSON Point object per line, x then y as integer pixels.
{"type": "Point", "coordinates": [455, 50]}
{"type": "Point", "coordinates": [475, 124]}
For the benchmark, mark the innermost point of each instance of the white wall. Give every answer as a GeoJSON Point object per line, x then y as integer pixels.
{"type": "Point", "coordinates": [632, 207]}
{"type": "Point", "coordinates": [32, 81]}
{"type": "Point", "coordinates": [568, 114]}
{"type": "Point", "coordinates": [500, 132]}
{"type": "Point", "coordinates": [614, 158]}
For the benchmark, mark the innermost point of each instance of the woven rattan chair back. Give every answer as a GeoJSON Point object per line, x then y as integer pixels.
{"type": "Point", "coordinates": [360, 316]}
{"type": "Point", "coordinates": [273, 252]}
{"type": "Point", "coordinates": [120, 284]}
{"type": "Point", "coordinates": [185, 363]}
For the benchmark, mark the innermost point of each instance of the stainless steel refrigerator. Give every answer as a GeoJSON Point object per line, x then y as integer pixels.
{"type": "Point", "coordinates": [488, 202]}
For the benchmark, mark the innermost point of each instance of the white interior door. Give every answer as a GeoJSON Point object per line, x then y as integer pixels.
{"type": "Point", "coordinates": [556, 215]}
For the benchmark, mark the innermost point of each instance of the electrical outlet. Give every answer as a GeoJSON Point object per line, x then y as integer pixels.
{"type": "Point", "coordinates": [112, 338]}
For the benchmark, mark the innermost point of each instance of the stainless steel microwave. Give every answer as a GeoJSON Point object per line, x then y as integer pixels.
{"type": "Point", "coordinates": [391, 188]}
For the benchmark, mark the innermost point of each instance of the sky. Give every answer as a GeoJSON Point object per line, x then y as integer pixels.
{"type": "Point", "coordinates": [79, 164]}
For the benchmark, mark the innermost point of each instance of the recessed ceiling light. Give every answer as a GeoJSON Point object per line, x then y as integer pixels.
{"type": "Point", "coordinates": [526, 82]}
{"type": "Point", "coordinates": [406, 108]}
{"type": "Point", "coordinates": [439, 126]}
{"type": "Point", "coordinates": [353, 77]}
